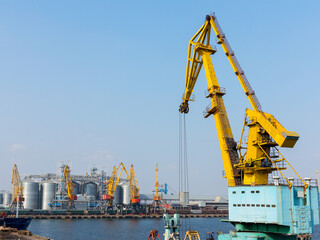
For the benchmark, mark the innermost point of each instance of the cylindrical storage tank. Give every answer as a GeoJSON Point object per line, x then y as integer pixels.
{"type": "Point", "coordinates": [126, 193]}
{"type": "Point", "coordinates": [117, 195]}
{"type": "Point", "coordinates": [1, 198]}
{"type": "Point", "coordinates": [90, 189]}
{"type": "Point", "coordinates": [7, 197]}
{"type": "Point", "coordinates": [49, 189]}
{"type": "Point", "coordinates": [75, 188]}
{"type": "Point", "coordinates": [31, 195]}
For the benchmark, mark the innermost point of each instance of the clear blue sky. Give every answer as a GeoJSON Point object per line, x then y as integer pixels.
{"type": "Point", "coordinates": [99, 82]}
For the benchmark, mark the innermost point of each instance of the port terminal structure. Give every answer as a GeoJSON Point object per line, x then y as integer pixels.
{"type": "Point", "coordinates": [264, 204]}
{"type": "Point", "coordinates": [66, 191]}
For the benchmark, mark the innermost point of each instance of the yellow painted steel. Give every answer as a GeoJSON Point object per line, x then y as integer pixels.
{"type": "Point", "coordinates": [123, 168]}
{"type": "Point", "coordinates": [157, 185]}
{"type": "Point", "coordinates": [67, 179]}
{"type": "Point", "coordinates": [113, 182]}
{"type": "Point", "coordinates": [192, 235]}
{"type": "Point", "coordinates": [199, 52]}
{"type": "Point", "coordinates": [234, 63]}
{"type": "Point", "coordinates": [265, 132]}
{"type": "Point", "coordinates": [17, 188]}
{"type": "Point", "coordinates": [134, 187]}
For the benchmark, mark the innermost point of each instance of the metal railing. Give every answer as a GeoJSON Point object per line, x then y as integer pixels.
{"type": "Point", "coordinates": [213, 90]}
{"type": "Point", "coordinates": [191, 98]}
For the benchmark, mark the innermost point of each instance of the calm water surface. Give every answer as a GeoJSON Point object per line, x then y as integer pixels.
{"type": "Point", "coordinates": [123, 229]}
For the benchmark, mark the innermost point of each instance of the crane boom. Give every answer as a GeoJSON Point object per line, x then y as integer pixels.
{"type": "Point", "coordinates": [134, 187]}
{"type": "Point", "coordinates": [17, 188]}
{"type": "Point", "coordinates": [199, 52]}
{"type": "Point", "coordinates": [234, 63]}
{"type": "Point", "coordinates": [113, 182]}
{"type": "Point", "coordinates": [118, 179]}
{"type": "Point", "coordinates": [157, 183]}
{"type": "Point", "coordinates": [67, 178]}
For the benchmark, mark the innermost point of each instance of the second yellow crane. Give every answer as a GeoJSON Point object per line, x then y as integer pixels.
{"type": "Point", "coordinates": [17, 188]}
{"type": "Point", "coordinates": [66, 178]}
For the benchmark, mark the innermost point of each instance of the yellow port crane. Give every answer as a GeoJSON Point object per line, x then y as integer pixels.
{"type": "Point", "coordinates": [157, 197]}
{"type": "Point", "coordinates": [134, 187]}
{"type": "Point", "coordinates": [112, 183]}
{"type": "Point", "coordinates": [192, 235]}
{"type": "Point", "coordinates": [17, 188]}
{"type": "Point", "coordinates": [257, 158]}
{"type": "Point", "coordinates": [66, 177]}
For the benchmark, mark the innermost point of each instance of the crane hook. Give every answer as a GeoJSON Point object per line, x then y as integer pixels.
{"type": "Point", "coordinates": [184, 108]}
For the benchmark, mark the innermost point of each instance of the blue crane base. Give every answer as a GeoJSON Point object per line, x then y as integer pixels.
{"type": "Point", "coordinates": [255, 236]}
{"type": "Point", "coordinates": [272, 212]}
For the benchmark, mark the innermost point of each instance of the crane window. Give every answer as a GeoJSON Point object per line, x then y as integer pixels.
{"type": "Point", "coordinates": [239, 205]}
{"type": "Point", "coordinates": [262, 205]}
{"type": "Point", "coordinates": [243, 192]}
{"type": "Point", "coordinates": [258, 205]}
{"type": "Point", "coordinates": [252, 191]}
{"type": "Point", "coordinates": [234, 192]}
{"type": "Point", "coordinates": [253, 205]}
{"type": "Point", "coordinates": [273, 205]}
{"type": "Point", "coordinates": [257, 191]}
{"type": "Point", "coordinates": [234, 205]}
{"type": "Point", "coordinates": [243, 205]}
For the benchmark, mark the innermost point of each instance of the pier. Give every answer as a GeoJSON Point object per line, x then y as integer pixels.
{"type": "Point", "coordinates": [118, 216]}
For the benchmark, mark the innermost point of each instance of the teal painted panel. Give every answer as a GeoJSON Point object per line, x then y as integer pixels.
{"type": "Point", "coordinates": [296, 208]}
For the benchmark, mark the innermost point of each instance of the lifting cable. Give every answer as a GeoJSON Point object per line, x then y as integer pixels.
{"type": "Point", "coordinates": [183, 163]}
{"type": "Point", "coordinates": [183, 156]}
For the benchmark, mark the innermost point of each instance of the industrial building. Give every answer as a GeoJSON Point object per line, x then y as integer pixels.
{"type": "Point", "coordinates": [49, 191]}
{"type": "Point", "coordinates": [218, 202]}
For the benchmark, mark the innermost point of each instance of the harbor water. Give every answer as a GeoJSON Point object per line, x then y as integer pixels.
{"type": "Point", "coordinates": [122, 229]}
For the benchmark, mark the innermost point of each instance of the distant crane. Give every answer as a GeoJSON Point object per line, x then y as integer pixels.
{"type": "Point", "coordinates": [192, 235]}
{"type": "Point", "coordinates": [134, 192]}
{"type": "Point", "coordinates": [112, 183]}
{"type": "Point", "coordinates": [17, 189]}
{"type": "Point", "coordinates": [134, 187]}
{"type": "Point", "coordinates": [154, 235]}
{"type": "Point", "coordinates": [164, 189]}
{"type": "Point", "coordinates": [67, 179]}
{"type": "Point", "coordinates": [156, 197]}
